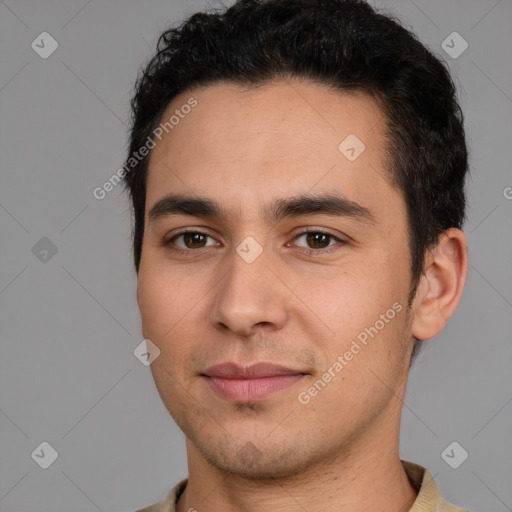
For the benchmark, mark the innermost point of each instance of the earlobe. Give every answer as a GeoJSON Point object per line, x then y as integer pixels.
{"type": "Point", "coordinates": [441, 284]}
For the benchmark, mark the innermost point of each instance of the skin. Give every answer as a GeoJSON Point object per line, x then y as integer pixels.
{"type": "Point", "coordinates": [244, 148]}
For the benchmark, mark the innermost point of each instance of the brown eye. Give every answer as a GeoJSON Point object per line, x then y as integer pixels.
{"type": "Point", "coordinates": [194, 240]}
{"type": "Point", "coordinates": [317, 240]}
{"type": "Point", "coordinates": [190, 240]}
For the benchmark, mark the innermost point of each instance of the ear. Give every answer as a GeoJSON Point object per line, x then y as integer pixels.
{"type": "Point", "coordinates": [440, 289]}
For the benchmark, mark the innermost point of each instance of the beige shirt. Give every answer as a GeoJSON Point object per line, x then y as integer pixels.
{"type": "Point", "coordinates": [428, 500]}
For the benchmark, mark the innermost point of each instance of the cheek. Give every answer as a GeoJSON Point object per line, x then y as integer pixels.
{"type": "Point", "coordinates": [169, 304]}
{"type": "Point", "coordinates": [152, 300]}
{"type": "Point", "coordinates": [162, 298]}
{"type": "Point", "coordinates": [365, 312]}
{"type": "Point", "coordinates": [347, 300]}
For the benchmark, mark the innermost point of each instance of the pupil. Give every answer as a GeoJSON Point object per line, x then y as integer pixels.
{"type": "Point", "coordinates": [195, 237]}
{"type": "Point", "coordinates": [315, 235]}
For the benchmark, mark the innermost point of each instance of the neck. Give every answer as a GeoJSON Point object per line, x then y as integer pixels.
{"type": "Point", "coordinates": [366, 476]}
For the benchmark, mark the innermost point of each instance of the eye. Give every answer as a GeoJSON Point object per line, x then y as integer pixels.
{"type": "Point", "coordinates": [318, 241]}
{"type": "Point", "coordinates": [191, 239]}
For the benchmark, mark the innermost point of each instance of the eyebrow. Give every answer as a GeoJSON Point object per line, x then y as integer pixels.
{"type": "Point", "coordinates": [306, 204]}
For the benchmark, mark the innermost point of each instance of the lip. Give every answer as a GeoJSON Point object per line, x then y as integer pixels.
{"type": "Point", "coordinates": [254, 383]}
{"type": "Point", "coordinates": [254, 371]}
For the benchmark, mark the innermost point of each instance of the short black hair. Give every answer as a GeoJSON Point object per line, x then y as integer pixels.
{"type": "Point", "coordinates": [347, 46]}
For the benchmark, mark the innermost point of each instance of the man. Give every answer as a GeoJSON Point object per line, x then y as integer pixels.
{"type": "Point", "coordinates": [298, 210]}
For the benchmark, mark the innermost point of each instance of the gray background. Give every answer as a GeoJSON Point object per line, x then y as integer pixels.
{"type": "Point", "coordinates": [70, 324]}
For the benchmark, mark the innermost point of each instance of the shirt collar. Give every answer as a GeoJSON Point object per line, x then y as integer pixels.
{"type": "Point", "coordinates": [428, 499]}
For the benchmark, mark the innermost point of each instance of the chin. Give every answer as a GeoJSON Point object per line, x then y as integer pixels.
{"type": "Point", "coordinates": [255, 463]}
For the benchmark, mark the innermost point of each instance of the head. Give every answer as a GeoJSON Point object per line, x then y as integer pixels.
{"type": "Point", "coordinates": [289, 116]}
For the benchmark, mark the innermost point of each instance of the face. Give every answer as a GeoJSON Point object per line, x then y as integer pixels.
{"type": "Point", "coordinates": [318, 286]}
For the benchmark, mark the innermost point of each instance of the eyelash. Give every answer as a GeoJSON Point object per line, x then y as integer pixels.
{"type": "Point", "coordinates": [308, 252]}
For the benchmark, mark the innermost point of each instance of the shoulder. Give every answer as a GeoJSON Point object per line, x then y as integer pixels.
{"type": "Point", "coordinates": [168, 504]}
{"type": "Point", "coordinates": [429, 498]}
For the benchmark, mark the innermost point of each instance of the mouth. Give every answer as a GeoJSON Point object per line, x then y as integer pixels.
{"type": "Point", "coordinates": [250, 384]}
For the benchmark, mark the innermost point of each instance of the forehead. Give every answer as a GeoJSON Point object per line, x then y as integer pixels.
{"type": "Point", "coordinates": [245, 145]}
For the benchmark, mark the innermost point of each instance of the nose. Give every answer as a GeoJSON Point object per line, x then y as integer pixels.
{"type": "Point", "coordinates": [250, 296]}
